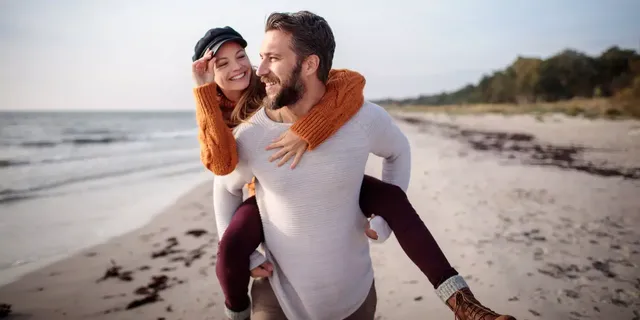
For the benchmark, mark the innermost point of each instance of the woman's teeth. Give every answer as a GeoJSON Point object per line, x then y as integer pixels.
{"type": "Point", "coordinates": [238, 77]}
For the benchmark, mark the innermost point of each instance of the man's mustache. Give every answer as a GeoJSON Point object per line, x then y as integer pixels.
{"type": "Point", "coordinates": [270, 78]}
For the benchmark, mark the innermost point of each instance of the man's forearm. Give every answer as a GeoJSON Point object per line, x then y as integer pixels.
{"type": "Point", "coordinates": [225, 203]}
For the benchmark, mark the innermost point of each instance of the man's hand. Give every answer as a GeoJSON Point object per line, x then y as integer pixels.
{"type": "Point", "coordinates": [372, 234]}
{"type": "Point", "coordinates": [291, 144]}
{"type": "Point", "coordinates": [262, 271]}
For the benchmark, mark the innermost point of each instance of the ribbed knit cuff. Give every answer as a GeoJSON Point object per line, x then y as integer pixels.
{"type": "Point", "coordinates": [449, 287]}
{"type": "Point", "coordinates": [242, 315]}
{"type": "Point", "coordinates": [313, 128]}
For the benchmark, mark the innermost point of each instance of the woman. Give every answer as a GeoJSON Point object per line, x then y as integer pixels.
{"type": "Point", "coordinates": [227, 93]}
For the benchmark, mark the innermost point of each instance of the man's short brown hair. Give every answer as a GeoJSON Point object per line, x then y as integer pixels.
{"type": "Point", "coordinates": [310, 34]}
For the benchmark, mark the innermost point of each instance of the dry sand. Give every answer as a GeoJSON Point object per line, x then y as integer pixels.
{"type": "Point", "coordinates": [538, 228]}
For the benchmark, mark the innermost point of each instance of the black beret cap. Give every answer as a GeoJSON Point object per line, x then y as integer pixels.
{"type": "Point", "coordinates": [214, 39]}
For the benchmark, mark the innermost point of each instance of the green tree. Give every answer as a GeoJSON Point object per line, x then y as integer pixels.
{"type": "Point", "coordinates": [566, 75]}
{"type": "Point", "coordinates": [502, 87]}
{"type": "Point", "coordinates": [615, 71]}
{"type": "Point", "coordinates": [527, 76]}
{"type": "Point", "coordinates": [562, 76]}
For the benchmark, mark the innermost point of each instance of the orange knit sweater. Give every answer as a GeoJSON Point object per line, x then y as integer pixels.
{"type": "Point", "coordinates": [343, 99]}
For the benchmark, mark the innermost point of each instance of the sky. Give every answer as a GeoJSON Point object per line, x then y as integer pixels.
{"type": "Point", "coordinates": [136, 55]}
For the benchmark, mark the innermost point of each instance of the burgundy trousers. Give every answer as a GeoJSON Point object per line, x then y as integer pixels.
{"type": "Point", "coordinates": [389, 201]}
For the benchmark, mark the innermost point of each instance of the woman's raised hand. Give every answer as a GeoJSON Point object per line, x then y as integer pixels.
{"type": "Point", "coordinates": [203, 69]}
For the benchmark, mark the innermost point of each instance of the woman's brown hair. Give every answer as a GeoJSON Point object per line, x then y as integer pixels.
{"type": "Point", "coordinates": [249, 102]}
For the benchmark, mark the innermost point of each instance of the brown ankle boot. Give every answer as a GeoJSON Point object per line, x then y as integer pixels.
{"type": "Point", "coordinates": [466, 307]}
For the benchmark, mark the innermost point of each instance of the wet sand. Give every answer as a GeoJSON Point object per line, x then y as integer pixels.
{"type": "Point", "coordinates": [164, 269]}
{"type": "Point", "coordinates": [539, 226]}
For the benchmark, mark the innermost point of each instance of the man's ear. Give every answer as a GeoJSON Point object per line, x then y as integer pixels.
{"type": "Point", "coordinates": [310, 65]}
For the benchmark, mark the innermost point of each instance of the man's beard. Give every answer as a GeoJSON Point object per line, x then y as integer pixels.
{"type": "Point", "coordinates": [290, 92]}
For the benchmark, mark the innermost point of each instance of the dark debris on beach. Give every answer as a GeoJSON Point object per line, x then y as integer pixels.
{"type": "Point", "coordinates": [115, 271]}
{"type": "Point", "coordinates": [196, 232]}
{"type": "Point", "coordinates": [5, 310]}
{"type": "Point", "coordinates": [524, 147]}
{"type": "Point", "coordinates": [169, 249]}
{"type": "Point", "coordinates": [150, 293]}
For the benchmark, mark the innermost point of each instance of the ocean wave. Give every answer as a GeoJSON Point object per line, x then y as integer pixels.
{"type": "Point", "coordinates": [97, 140]}
{"type": "Point", "coordinates": [76, 131]}
{"type": "Point", "coordinates": [109, 138]}
{"type": "Point", "coordinates": [10, 196]}
{"type": "Point", "coordinates": [170, 134]}
{"type": "Point", "coordinates": [73, 141]}
{"type": "Point", "coordinates": [38, 144]}
{"type": "Point", "coordinates": [6, 163]}
{"type": "Point", "coordinates": [7, 195]}
{"type": "Point", "coordinates": [12, 163]}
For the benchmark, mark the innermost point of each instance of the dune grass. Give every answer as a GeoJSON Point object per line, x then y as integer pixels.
{"type": "Point", "coordinates": [587, 108]}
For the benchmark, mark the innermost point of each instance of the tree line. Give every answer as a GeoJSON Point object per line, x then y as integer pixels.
{"type": "Point", "coordinates": [563, 76]}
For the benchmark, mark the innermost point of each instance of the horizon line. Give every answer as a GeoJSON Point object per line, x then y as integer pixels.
{"type": "Point", "coordinates": [97, 110]}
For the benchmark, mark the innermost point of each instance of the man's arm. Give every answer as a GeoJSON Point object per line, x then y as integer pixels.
{"type": "Point", "coordinates": [388, 142]}
{"type": "Point", "coordinates": [227, 197]}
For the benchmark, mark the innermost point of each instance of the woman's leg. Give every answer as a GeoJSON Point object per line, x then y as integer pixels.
{"type": "Point", "coordinates": [391, 203]}
{"type": "Point", "coordinates": [240, 239]}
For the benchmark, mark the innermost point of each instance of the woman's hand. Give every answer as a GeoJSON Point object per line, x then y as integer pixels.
{"type": "Point", "coordinates": [292, 146]}
{"type": "Point", "coordinates": [202, 69]}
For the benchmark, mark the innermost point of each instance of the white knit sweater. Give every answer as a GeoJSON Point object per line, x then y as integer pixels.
{"type": "Point", "coordinates": [313, 226]}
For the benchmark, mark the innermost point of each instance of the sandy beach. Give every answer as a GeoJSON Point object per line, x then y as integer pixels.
{"type": "Point", "coordinates": [541, 217]}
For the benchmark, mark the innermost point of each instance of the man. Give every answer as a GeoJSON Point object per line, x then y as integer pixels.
{"type": "Point", "coordinates": [313, 227]}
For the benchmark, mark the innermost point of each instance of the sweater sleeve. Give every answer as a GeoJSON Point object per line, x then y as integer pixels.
{"type": "Point", "coordinates": [328, 116]}
{"type": "Point", "coordinates": [387, 141]}
{"type": "Point", "coordinates": [227, 195]}
{"type": "Point", "coordinates": [382, 228]}
{"type": "Point", "coordinates": [217, 145]}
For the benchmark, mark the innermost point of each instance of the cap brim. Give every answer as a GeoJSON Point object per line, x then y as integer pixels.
{"type": "Point", "coordinates": [217, 46]}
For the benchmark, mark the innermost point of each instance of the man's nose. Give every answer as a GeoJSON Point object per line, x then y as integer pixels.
{"type": "Point", "coordinates": [262, 69]}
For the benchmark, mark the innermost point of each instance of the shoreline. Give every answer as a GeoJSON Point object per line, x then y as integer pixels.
{"type": "Point", "coordinates": [103, 280]}
{"type": "Point", "coordinates": [77, 220]}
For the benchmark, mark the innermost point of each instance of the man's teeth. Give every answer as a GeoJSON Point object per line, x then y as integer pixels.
{"type": "Point", "coordinates": [240, 76]}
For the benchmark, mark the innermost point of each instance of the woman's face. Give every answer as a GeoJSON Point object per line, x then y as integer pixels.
{"type": "Point", "coordinates": [232, 67]}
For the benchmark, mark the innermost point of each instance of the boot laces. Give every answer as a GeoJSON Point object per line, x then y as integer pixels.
{"type": "Point", "coordinates": [467, 304]}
